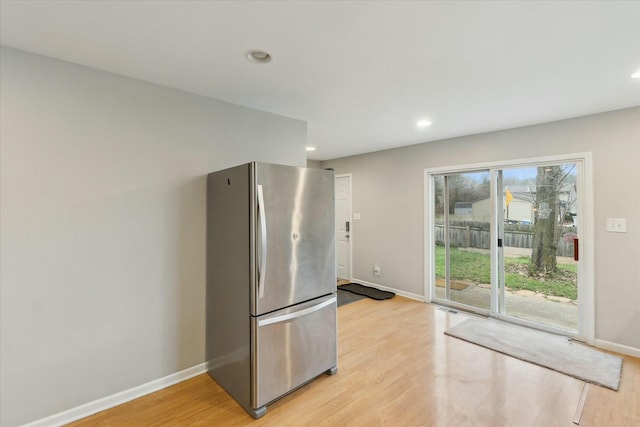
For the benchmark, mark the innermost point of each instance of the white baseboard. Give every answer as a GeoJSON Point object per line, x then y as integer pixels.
{"type": "Point", "coordinates": [405, 294]}
{"type": "Point", "coordinates": [116, 399]}
{"type": "Point", "coordinates": [618, 348]}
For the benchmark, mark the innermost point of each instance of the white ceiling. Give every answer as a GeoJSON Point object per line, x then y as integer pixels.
{"type": "Point", "coordinates": [360, 73]}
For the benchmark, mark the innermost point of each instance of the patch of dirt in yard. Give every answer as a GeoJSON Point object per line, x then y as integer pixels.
{"type": "Point", "coordinates": [560, 275]}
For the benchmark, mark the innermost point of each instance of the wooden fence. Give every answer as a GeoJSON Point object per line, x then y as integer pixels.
{"type": "Point", "coordinates": [469, 234]}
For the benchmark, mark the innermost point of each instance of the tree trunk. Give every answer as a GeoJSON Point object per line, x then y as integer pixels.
{"type": "Point", "coordinates": [545, 237]}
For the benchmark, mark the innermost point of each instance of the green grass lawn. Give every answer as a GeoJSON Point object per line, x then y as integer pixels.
{"type": "Point", "coordinates": [473, 266]}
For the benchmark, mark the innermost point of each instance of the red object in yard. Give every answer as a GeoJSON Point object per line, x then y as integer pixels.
{"type": "Point", "coordinates": [570, 236]}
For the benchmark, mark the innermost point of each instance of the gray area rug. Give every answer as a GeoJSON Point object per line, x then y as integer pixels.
{"type": "Point", "coordinates": [542, 348]}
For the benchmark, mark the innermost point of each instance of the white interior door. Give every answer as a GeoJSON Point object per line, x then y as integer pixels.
{"type": "Point", "coordinates": [343, 226]}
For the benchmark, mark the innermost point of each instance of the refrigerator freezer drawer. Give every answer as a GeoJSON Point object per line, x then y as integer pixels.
{"type": "Point", "coordinates": [293, 346]}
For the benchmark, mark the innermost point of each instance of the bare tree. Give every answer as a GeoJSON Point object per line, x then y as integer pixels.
{"type": "Point", "coordinates": [549, 216]}
{"type": "Point", "coordinates": [465, 187]}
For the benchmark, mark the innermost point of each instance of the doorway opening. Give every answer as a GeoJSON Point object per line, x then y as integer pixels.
{"type": "Point", "coordinates": [344, 231]}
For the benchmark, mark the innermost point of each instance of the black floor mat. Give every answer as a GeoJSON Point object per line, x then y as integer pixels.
{"type": "Point", "coordinates": [345, 297]}
{"type": "Point", "coordinates": [374, 293]}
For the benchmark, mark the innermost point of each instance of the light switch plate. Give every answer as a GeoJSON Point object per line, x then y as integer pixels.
{"type": "Point", "coordinates": [617, 225]}
{"type": "Point", "coordinates": [356, 216]}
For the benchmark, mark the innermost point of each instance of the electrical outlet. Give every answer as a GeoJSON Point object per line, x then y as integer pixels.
{"type": "Point", "coordinates": [376, 270]}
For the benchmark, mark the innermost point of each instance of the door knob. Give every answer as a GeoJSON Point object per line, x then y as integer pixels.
{"type": "Point", "coordinates": [346, 235]}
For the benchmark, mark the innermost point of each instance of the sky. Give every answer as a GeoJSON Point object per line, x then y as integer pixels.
{"type": "Point", "coordinates": [515, 173]}
{"type": "Point", "coordinates": [519, 173]}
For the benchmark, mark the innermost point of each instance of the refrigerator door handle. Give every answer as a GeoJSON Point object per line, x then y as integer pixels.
{"type": "Point", "coordinates": [296, 314]}
{"type": "Point", "coordinates": [262, 265]}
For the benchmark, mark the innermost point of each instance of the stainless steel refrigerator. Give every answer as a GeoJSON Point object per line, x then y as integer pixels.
{"type": "Point", "coordinates": [271, 280]}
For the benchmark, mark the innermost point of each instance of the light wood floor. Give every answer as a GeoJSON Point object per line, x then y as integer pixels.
{"type": "Point", "coordinates": [397, 368]}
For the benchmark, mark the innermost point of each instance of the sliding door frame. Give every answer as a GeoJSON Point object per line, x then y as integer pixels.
{"type": "Point", "coordinates": [586, 307]}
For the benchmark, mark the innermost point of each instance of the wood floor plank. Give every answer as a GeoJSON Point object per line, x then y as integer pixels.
{"type": "Point", "coordinates": [396, 367]}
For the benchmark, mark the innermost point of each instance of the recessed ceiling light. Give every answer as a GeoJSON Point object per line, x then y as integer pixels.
{"type": "Point", "coordinates": [423, 123]}
{"type": "Point", "coordinates": [258, 57]}
{"type": "Point", "coordinates": [636, 75]}
{"type": "Point", "coordinates": [311, 148]}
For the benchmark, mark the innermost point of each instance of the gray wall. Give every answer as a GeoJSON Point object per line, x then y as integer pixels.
{"type": "Point", "coordinates": [388, 192]}
{"type": "Point", "coordinates": [103, 227]}
{"type": "Point", "coordinates": [316, 164]}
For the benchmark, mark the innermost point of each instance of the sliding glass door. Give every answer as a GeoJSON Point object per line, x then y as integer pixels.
{"type": "Point", "coordinates": [503, 240]}
{"type": "Point", "coordinates": [540, 244]}
{"type": "Point", "coordinates": [462, 238]}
